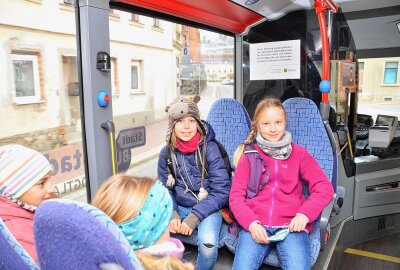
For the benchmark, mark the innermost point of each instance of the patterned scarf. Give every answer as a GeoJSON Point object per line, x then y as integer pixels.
{"type": "Point", "coordinates": [278, 150]}
{"type": "Point", "coordinates": [23, 205]}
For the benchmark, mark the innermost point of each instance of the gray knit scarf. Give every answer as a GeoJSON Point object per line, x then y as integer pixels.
{"type": "Point", "coordinates": [280, 149]}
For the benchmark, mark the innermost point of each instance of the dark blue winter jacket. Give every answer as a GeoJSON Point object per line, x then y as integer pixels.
{"type": "Point", "coordinates": [216, 181]}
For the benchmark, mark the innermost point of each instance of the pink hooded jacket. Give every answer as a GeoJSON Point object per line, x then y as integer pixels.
{"type": "Point", "coordinates": [282, 198]}
{"type": "Point", "coordinates": [20, 223]}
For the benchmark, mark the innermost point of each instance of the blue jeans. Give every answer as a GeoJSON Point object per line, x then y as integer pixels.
{"type": "Point", "coordinates": [293, 251]}
{"type": "Point", "coordinates": [207, 239]}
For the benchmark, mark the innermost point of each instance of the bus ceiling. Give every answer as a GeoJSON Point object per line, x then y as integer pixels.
{"type": "Point", "coordinates": [235, 16]}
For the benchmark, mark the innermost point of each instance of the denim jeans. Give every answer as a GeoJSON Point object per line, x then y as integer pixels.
{"type": "Point", "coordinates": [293, 251]}
{"type": "Point", "coordinates": [207, 239]}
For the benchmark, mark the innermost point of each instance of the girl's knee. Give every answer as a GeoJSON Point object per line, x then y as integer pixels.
{"type": "Point", "coordinates": [208, 242]}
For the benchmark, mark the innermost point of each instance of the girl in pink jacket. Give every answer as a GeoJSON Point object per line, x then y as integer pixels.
{"type": "Point", "coordinates": [24, 183]}
{"type": "Point", "coordinates": [279, 215]}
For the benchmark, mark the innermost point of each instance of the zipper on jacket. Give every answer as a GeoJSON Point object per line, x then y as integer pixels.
{"type": "Point", "coordinates": [271, 210]}
{"type": "Point", "coordinates": [186, 172]}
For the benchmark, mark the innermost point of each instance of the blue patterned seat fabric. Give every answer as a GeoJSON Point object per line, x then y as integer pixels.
{"type": "Point", "coordinates": [230, 122]}
{"type": "Point", "coordinates": [73, 235]}
{"type": "Point", "coordinates": [12, 254]}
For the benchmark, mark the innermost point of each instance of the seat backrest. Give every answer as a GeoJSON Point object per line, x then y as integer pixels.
{"type": "Point", "coordinates": [73, 235]}
{"type": "Point", "coordinates": [308, 130]}
{"type": "Point", "coordinates": [12, 254]}
{"type": "Point", "coordinates": [231, 123]}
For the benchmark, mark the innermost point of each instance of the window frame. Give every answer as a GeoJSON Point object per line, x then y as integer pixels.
{"type": "Point", "coordinates": [360, 87]}
{"type": "Point", "coordinates": [384, 72]}
{"type": "Point", "coordinates": [114, 77]}
{"type": "Point", "coordinates": [134, 17]}
{"type": "Point", "coordinates": [138, 65]}
{"type": "Point", "coordinates": [156, 23]}
{"type": "Point", "coordinates": [37, 98]}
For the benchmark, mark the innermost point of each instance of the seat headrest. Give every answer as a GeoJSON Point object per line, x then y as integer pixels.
{"type": "Point", "coordinates": [231, 123]}
{"type": "Point", "coordinates": [79, 236]}
{"type": "Point", "coordinates": [307, 128]}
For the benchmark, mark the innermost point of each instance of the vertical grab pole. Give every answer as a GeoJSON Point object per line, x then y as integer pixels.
{"type": "Point", "coordinates": [325, 86]}
{"type": "Point", "coordinates": [109, 126]}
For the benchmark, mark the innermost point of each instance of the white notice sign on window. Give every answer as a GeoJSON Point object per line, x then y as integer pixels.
{"type": "Point", "coordinates": [275, 60]}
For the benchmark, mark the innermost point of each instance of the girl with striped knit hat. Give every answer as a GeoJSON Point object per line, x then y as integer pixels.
{"type": "Point", "coordinates": [24, 183]}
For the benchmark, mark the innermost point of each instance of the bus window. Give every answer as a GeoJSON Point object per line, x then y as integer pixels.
{"type": "Point", "coordinates": [378, 86]}
{"type": "Point", "coordinates": [156, 61]}
{"type": "Point", "coordinates": [40, 105]}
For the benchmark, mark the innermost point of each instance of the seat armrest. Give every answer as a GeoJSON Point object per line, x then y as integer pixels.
{"type": "Point", "coordinates": [324, 221]}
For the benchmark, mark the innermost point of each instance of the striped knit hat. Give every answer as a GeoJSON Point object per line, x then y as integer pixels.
{"type": "Point", "coordinates": [20, 169]}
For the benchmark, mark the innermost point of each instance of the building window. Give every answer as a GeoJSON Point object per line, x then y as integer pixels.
{"type": "Point", "coordinates": [69, 2]}
{"type": "Point", "coordinates": [26, 83]}
{"type": "Point", "coordinates": [156, 23]}
{"type": "Point", "coordinates": [135, 17]}
{"type": "Point", "coordinates": [114, 77]}
{"type": "Point", "coordinates": [390, 75]}
{"type": "Point", "coordinates": [360, 76]}
{"type": "Point", "coordinates": [135, 78]}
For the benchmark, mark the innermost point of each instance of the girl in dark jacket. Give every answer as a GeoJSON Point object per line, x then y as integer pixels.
{"type": "Point", "coordinates": [197, 194]}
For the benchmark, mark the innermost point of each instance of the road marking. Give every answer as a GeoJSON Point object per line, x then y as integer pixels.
{"type": "Point", "coordinates": [372, 255]}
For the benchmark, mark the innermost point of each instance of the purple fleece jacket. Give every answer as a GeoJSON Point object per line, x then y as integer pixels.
{"type": "Point", "coordinates": [282, 198]}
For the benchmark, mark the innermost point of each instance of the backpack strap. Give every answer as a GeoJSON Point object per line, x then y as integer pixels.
{"type": "Point", "coordinates": [204, 163]}
{"type": "Point", "coordinates": [257, 165]}
{"type": "Point", "coordinates": [171, 162]}
{"type": "Point", "coordinates": [225, 157]}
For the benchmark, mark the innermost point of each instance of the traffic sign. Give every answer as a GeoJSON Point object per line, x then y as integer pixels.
{"type": "Point", "coordinates": [132, 137]}
{"type": "Point", "coordinates": [126, 140]}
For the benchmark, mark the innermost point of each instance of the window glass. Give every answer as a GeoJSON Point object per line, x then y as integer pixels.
{"type": "Point", "coordinates": [377, 97]}
{"type": "Point", "coordinates": [39, 88]}
{"type": "Point", "coordinates": [135, 78]}
{"type": "Point", "coordinates": [158, 61]}
{"type": "Point", "coordinates": [26, 78]}
{"type": "Point", "coordinates": [390, 76]}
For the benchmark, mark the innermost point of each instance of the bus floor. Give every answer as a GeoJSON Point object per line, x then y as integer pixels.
{"type": "Point", "coordinates": [382, 253]}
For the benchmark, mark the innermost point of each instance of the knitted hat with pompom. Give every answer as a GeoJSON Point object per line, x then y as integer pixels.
{"type": "Point", "coordinates": [180, 108]}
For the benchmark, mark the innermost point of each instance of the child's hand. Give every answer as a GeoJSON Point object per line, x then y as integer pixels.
{"type": "Point", "coordinates": [258, 233]}
{"type": "Point", "coordinates": [185, 229]}
{"type": "Point", "coordinates": [298, 223]}
{"type": "Point", "coordinates": [174, 225]}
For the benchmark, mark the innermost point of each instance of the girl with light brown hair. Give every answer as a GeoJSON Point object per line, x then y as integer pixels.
{"type": "Point", "coordinates": [142, 209]}
{"type": "Point", "coordinates": [278, 212]}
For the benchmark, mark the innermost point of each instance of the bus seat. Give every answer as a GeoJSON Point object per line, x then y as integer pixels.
{"type": "Point", "coordinates": [74, 235]}
{"type": "Point", "coordinates": [230, 122]}
{"type": "Point", "coordinates": [317, 137]}
{"type": "Point", "coordinates": [305, 123]}
{"type": "Point", "coordinates": [12, 255]}
{"type": "Point", "coordinates": [231, 125]}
